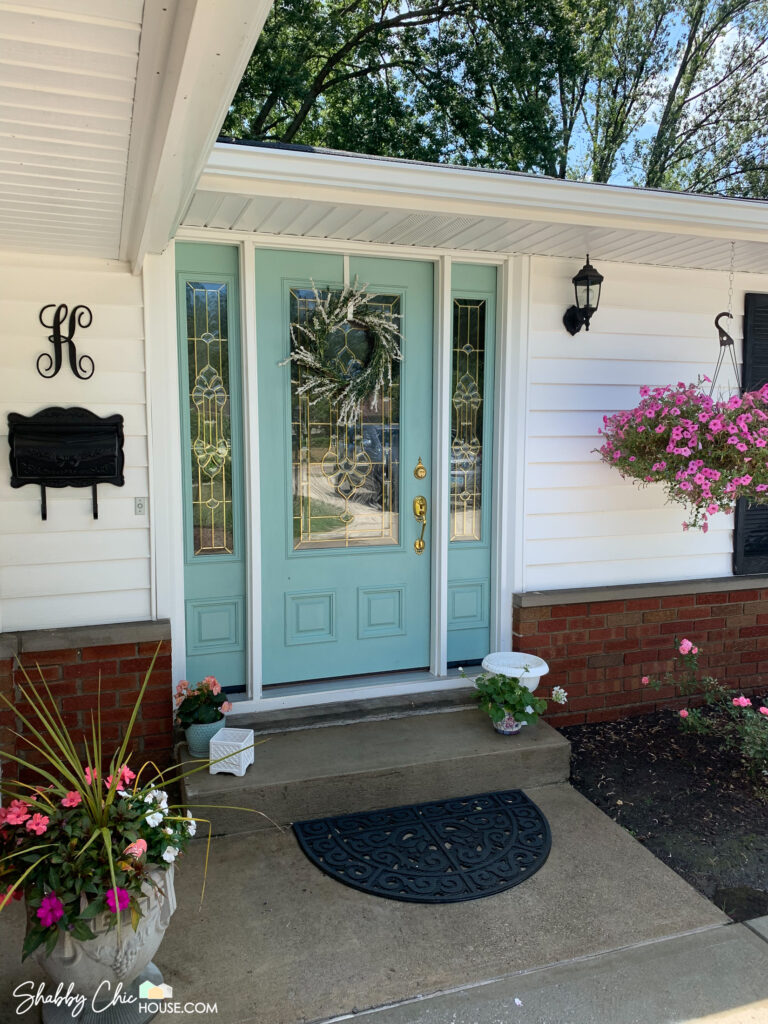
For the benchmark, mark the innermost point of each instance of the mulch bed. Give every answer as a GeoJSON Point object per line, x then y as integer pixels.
{"type": "Point", "coordinates": [692, 803]}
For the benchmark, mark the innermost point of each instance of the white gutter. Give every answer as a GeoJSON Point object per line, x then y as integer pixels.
{"type": "Point", "coordinates": [446, 189]}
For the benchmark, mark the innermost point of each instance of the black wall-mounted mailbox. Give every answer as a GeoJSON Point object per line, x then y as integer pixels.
{"type": "Point", "coordinates": [66, 448]}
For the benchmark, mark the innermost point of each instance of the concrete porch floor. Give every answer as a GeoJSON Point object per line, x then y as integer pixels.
{"type": "Point", "coordinates": [278, 942]}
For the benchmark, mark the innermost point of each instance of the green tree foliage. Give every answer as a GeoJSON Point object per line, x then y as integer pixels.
{"type": "Point", "coordinates": [661, 93]}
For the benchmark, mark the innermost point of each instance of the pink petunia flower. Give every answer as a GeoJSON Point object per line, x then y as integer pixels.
{"type": "Point", "coordinates": [123, 899]}
{"type": "Point", "coordinates": [18, 812]}
{"type": "Point", "coordinates": [38, 824]}
{"type": "Point", "coordinates": [72, 799]}
{"type": "Point", "coordinates": [50, 910]}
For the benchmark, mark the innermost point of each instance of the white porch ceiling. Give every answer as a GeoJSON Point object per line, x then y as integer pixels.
{"type": "Point", "coordinates": [346, 198]}
{"type": "Point", "coordinates": [108, 111]}
{"type": "Point", "coordinates": [67, 81]}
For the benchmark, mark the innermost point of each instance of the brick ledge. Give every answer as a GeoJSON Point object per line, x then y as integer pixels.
{"type": "Point", "coordinates": [73, 637]}
{"type": "Point", "coordinates": [624, 592]}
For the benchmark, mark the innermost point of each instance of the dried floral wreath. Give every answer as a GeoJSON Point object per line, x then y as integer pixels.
{"type": "Point", "coordinates": [326, 377]}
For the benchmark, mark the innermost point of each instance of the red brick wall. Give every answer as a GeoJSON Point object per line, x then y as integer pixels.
{"type": "Point", "coordinates": [73, 676]}
{"type": "Point", "coordinates": [599, 650]}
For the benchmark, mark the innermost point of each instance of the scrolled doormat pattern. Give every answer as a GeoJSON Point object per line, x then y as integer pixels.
{"type": "Point", "coordinates": [440, 852]}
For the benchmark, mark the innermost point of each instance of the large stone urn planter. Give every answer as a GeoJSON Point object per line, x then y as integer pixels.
{"type": "Point", "coordinates": [96, 967]}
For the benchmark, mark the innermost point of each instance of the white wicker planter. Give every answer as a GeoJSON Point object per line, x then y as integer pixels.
{"type": "Point", "coordinates": [236, 745]}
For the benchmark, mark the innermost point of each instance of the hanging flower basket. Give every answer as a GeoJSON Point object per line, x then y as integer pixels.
{"type": "Point", "coordinates": [706, 453]}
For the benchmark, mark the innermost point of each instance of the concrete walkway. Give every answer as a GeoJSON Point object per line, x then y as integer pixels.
{"type": "Point", "coordinates": [603, 933]}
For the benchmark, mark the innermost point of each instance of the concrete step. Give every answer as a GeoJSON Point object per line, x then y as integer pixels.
{"type": "Point", "coordinates": [340, 769]}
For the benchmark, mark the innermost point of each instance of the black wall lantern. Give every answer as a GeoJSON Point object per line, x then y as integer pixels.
{"type": "Point", "coordinates": [586, 285]}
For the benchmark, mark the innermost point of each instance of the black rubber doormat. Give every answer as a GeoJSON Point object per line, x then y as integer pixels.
{"type": "Point", "coordinates": [440, 852]}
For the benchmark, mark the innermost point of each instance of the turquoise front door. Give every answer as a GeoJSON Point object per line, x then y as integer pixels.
{"type": "Point", "coordinates": [344, 592]}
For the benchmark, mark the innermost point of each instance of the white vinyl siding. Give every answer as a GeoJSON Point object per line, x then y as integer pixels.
{"type": "Point", "coordinates": [584, 525]}
{"type": "Point", "coordinates": [73, 570]}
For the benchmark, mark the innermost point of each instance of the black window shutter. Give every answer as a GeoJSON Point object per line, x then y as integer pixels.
{"type": "Point", "coordinates": [750, 537]}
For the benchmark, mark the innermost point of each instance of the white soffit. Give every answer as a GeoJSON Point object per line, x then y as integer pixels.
{"type": "Point", "coordinates": [108, 110]}
{"type": "Point", "coordinates": [325, 195]}
{"type": "Point", "coordinates": [67, 80]}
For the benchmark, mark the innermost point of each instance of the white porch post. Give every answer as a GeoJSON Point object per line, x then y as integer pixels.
{"type": "Point", "coordinates": [511, 403]}
{"type": "Point", "coordinates": [164, 449]}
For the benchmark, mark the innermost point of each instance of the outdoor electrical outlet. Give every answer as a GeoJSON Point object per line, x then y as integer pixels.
{"type": "Point", "coordinates": [140, 506]}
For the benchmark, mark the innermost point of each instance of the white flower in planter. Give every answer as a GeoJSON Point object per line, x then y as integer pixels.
{"type": "Point", "coordinates": [191, 824]}
{"type": "Point", "coordinates": [559, 696]}
{"type": "Point", "coordinates": [169, 854]}
{"type": "Point", "coordinates": [154, 819]}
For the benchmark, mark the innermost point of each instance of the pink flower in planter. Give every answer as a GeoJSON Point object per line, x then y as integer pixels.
{"type": "Point", "coordinates": [683, 713]}
{"type": "Point", "coordinates": [38, 824]}
{"type": "Point", "coordinates": [123, 899]}
{"type": "Point", "coordinates": [50, 910]}
{"type": "Point", "coordinates": [90, 776]}
{"type": "Point", "coordinates": [137, 849]}
{"type": "Point", "coordinates": [71, 799]}
{"type": "Point", "coordinates": [212, 684]}
{"type": "Point", "coordinates": [7, 896]}
{"type": "Point", "coordinates": [18, 812]}
{"type": "Point", "coordinates": [226, 706]}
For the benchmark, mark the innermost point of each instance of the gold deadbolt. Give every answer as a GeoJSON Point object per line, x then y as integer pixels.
{"type": "Point", "coordinates": [420, 513]}
{"type": "Point", "coordinates": [421, 470]}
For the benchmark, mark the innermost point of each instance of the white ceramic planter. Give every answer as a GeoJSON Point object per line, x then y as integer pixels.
{"type": "Point", "coordinates": [528, 668]}
{"type": "Point", "coordinates": [88, 964]}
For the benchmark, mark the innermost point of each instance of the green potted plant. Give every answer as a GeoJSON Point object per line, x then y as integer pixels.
{"type": "Point", "coordinates": [90, 844]}
{"type": "Point", "coordinates": [200, 710]}
{"type": "Point", "coordinates": [509, 703]}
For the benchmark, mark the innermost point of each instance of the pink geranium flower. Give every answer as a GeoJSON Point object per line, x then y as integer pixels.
{"type": "Point", "coordinates": [72, 799]}
{"type": "Point", "coordinates": [50, 910]}
{"type": "Point", "coordinates": [38, 823]}
{"type": "Point", "coordinates": [123, 899]}
{"type": "Point", "coordinates": [18, 812]}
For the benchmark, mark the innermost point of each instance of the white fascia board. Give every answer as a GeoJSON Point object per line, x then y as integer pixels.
{"type": "Point", "coordinates": [192, 55]}
{"type": "Point", "coordinates": [443, 188]}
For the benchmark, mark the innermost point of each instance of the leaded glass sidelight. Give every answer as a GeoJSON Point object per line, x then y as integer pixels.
{"type": "Point", "coordinates": [467, 419]}
{"type": "Point", "coordinates": [345, 476]}
{"type": "Point", "coordinates": [210, 445]}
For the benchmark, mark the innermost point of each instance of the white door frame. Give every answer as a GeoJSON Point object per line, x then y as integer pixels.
{"type": "Point", "coordinates": [508, 453]}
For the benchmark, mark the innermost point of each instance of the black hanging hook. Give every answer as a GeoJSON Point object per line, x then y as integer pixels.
{"type": "Point", "coordinates": [723, 335]}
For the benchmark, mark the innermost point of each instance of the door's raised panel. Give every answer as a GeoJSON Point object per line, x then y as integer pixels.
{"type": "Point", "coordinates": [214, 625]}
{"type": "Point", "coordinates": [468, 604]}
{"type": "Point", "coordinates": [380, 611]}
{"type": "Point", "coordinates": [310, 617]}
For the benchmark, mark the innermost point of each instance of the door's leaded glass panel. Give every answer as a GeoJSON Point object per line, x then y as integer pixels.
{"type": "Point", "coordinates": [345, 477]}
{"type": "Point", "coordinates": [467, 419]}
{"type": "Point", "coordinates": [209, 419]}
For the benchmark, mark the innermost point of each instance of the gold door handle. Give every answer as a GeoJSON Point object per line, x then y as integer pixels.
{"type": "Point", "coordinates": [420, 513]}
